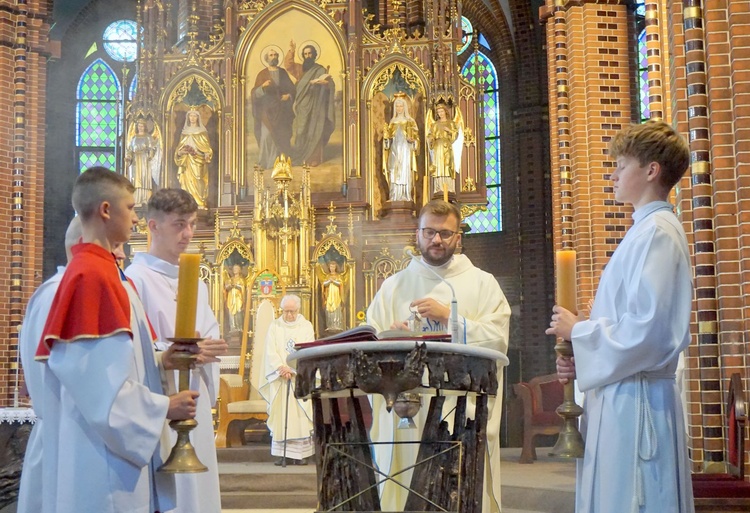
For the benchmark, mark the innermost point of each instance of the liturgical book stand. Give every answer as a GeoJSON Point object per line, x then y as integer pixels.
{"type": "Point", "coordinates": [449, 470]}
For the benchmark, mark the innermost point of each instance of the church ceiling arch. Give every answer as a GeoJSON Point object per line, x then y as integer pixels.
{"type": "Point", "coordinates": [291, 68]}
{"type": "Point", "coordinates": [492, 21]}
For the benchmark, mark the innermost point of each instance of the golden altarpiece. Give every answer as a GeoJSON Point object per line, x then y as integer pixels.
{"type": "Point", "coordinates": [310, 133]}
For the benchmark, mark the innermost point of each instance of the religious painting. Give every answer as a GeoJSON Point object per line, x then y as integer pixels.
{"type": "Point", "coordinates": [293, 99]}
{"type": "Point", "coordinates": [194, 143]}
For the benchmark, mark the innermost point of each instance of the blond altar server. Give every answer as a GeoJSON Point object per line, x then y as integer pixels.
{"type": "Point", "coordinates": [484, 314]}
{"type": "Point", "coordinates": [104, 409]}
{"type": "Point", "coordinates": [171, 220]}
{"type": "Point", "coordinates": [627, 351]}
{"type": "Point", "coordinates": [286, 331]}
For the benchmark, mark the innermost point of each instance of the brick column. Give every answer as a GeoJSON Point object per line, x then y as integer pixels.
{"type": "Point", "coordinates": [590, 55]}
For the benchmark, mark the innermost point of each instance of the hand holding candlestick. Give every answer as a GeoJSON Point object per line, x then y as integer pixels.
{"type": "Point", "coordinates": [570, 442]}
{"type": "Point", "coordinates": [183, 457]}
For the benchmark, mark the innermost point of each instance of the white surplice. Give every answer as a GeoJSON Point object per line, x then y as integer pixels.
{"type": "Point", "coordinates": [29, 493]}
{"type": "Point", "coordinates": [104, 424]}
{"type": "Point", "coordinates": [626, 355]}
{"type": "Point", "coordinates": [484, 316]}
{"type": "Point", "coordinates": [280, 341]}
{"type": "Point", "coordinates": [156, 282]}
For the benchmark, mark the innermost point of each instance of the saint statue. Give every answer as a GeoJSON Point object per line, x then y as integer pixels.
{"type": "Point", "coordinates": [234, 297]}
{"type": "Point", "coordinates": [400, 146]}
{"type": "Point", "coordinates": [143, 159]}
{"type": "Point", "coordinates": [192, 156]}
{"type": "Point", "coordinates": [445, 140]}
{"type": "Point", "coordinates": [332, 286]}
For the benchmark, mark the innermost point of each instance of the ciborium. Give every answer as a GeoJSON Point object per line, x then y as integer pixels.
{"type": "Point", "coordinates": [183, 459]}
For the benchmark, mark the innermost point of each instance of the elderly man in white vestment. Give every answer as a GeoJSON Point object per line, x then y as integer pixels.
{"type": "Point", "coordinates": [626, 353]}
{"type": "Point", "coordinates": [292, 425]}
{"type": "Point", "coordinates": [102, 397]}
{"type": "Point", "coordinates": [484, 314]}
{"type": "Point", "coordinates": [171, 218]}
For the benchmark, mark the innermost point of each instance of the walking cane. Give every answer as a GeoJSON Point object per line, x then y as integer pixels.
{"type": "Point", "coordinates": [286, 420]}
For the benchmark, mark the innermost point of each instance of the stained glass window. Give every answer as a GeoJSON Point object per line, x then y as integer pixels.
{"type": "Point", "coordinates": [468, 33]}
{"type": "Point", "coordinates": [97, 116]}
{"type": "Point", "coordinates": [120, 40]}
{"type": "Point", "coordinates": [480, 68]}
{"type": "Point", "coordinates": [99, 95]}
{"type": "Point", "coordinates": [642, 57]}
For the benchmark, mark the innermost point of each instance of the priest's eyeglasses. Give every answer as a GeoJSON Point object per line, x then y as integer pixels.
{"type": "Point", "coordinates": [429, 233]}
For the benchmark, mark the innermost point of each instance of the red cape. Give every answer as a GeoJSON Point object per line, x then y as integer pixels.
{"type": "Point", "coordinates": [90, 301]}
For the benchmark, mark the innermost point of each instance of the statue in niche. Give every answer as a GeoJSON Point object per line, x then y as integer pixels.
{"type": "Point", "coordinates": [192, 156]}
{"type": "Point", "coordinates": [143, 159]}
{"type": "Point", "coordinates": [400, 147]}
{"type": "Point", "coordinates": [234, 297]}
{"type": "Point", "coordinates": [445, 140]}
{"type": "Point", "coordinates": [332, 282]}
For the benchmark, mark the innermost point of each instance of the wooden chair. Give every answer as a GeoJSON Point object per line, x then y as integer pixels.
{"type": "Point", "coordinates": [541, 396]}
{"type": "Point", "coordinates": [727, 491]}
{"type": "Point", "coordinates": [239, 399]}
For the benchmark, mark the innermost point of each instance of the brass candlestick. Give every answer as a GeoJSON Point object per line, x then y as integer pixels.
{"type": "Point", "coordinates": [569, 441]}
{"type": "Point", "coordinates": [183, 459]}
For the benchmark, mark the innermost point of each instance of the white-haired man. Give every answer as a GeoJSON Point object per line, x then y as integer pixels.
{"type": "Point", "coordinates": [293, 425]}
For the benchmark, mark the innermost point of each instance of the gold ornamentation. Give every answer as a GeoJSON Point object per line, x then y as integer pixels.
{"type": "Point", "coordinates": [468, 209]}
{"type": "Point", "coordinates": [411, 78]}
{"type": "Point", "coordinates": [469, 185]}
{"type": "Point", "coordinates": [182, 90]}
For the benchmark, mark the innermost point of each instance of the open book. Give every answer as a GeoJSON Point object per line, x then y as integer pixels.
{"type": "Point", "coordinates": [367, 333]}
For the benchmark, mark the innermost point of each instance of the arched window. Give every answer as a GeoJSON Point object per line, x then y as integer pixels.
{"type": "Point", "coordinates": [99, 96]}
{"type": "Point", "coordinates": [479, 69]}
{"type": "Point", "coordinates": [642, 57]}
{"type": "Point", "coordinates": [98, 115]}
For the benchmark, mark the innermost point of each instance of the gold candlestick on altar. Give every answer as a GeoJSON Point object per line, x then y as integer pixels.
{"type": "Point", "coordinates": [183, 458]}
{"type": "Point", "coordinates": [569, 442]}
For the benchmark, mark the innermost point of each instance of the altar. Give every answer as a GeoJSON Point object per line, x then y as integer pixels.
{"type": "Point", "coordinates": [448, 472]}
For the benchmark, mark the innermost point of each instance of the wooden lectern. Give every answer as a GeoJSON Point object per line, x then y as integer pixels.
{"type": "Point", "coordinates": [449, 471]}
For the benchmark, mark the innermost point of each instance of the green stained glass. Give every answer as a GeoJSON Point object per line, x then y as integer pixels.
{"type": "Point", "coordinates": [98, 115]}
{"type": "Point", "coordinates": [489, 220]}
{"type": "Point", "coordinates": [479, 68]}
{"type": "Point", "coordinates": [93, 49]}
{"type": "Point", "coordinates": [98, 82]}
{"type": "Point", "coordinates": [492, 160]}
{"type": "Point", "coordinates": [87, 159]}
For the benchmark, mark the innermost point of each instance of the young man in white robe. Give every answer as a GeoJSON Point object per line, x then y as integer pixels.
{"type": "Point", "coordinates": [484, 315]}
{"type": "Point", "coordinates": [37, 310]}
{"type": "Point", "coordinates": [294, 424]}
{"type": "Point", "coordinates": [626, 353]}
{"type": "Point", "coordinates": [104, 410]}
{"type": "Point", "coordinates": [171, 218]}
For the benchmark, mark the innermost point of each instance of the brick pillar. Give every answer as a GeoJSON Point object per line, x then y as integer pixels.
{"type": "Point", "coordinates": [654, 59]}
{"type": "Point", "coordinates": [590, 55]}
{"type": "Point", "coordinates": [21, 142]}
{"type": "Point", "coordinates": [16, 296]}
{"type": "Point", "coordinates": [703, 229]}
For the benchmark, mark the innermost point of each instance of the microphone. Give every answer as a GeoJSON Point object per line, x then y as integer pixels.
{"type": "Point", "coordinates": [453, 320]}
